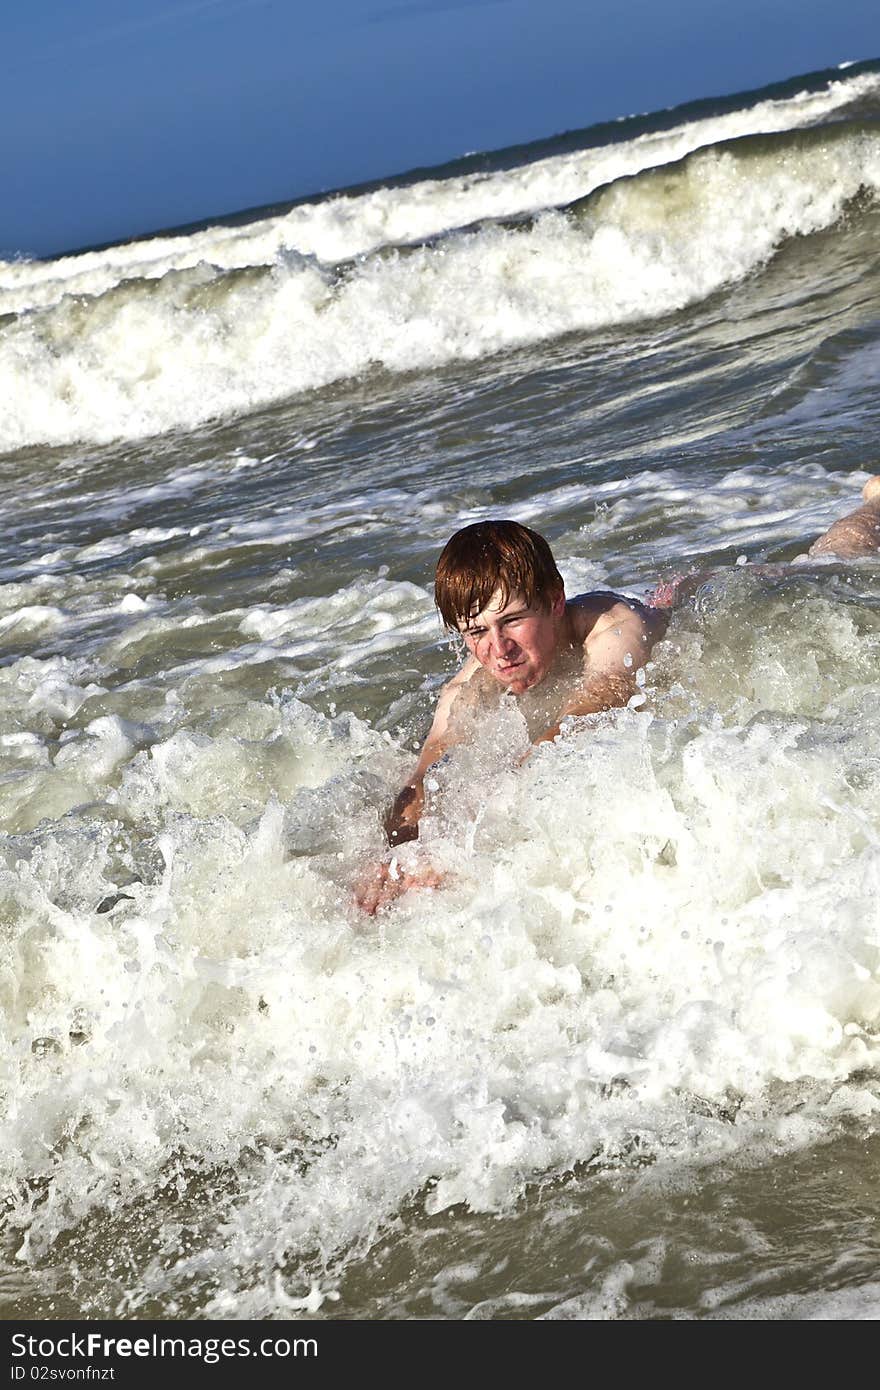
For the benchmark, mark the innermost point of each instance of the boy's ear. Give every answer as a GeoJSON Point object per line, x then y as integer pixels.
{"type": "Point", "coordinates": [557, 608]}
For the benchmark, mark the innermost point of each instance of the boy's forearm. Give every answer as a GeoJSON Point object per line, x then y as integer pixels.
{"type": "Point", "coordinates": [605, 692]}
{"type": "Point", "coordinates": [402, 821]}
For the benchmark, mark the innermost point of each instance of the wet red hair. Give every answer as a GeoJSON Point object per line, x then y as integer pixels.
{"type": "Point", "coordinates": [490, 556]}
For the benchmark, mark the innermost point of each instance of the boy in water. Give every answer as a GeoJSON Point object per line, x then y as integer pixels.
{"type": "Point", "coordinates": [497, 584]}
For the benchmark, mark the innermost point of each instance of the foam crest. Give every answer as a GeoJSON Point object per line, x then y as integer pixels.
{"type": "Point", "coordinates": [349, 225]}
{"type": "Point", "coordinates": [148, 358]}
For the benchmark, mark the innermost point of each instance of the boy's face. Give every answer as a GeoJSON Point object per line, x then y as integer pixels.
{"type": "Point", "coordinates": [514, 642]}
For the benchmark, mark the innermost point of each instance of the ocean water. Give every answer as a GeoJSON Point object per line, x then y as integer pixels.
{"type": "Point", "coordinates": [623, 1063]}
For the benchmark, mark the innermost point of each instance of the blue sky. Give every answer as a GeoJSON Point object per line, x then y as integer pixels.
{"type": "Point", "coordinates": [119, 117]}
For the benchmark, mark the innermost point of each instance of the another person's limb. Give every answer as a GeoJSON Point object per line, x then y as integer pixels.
{"type": "Point", "coordinates": [857, 533]}
{"type": "Point", "coordinates": [850, 537]}
{"type": "Point", "coordinates": [673, 593]}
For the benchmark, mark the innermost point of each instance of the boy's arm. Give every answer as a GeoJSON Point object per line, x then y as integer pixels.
{"type": "Point", "coordinates": [385, 881]}
{"type": "Point", "coordinates": [615, 650]}
{"type": "Point", "coordinates": [402, 820]}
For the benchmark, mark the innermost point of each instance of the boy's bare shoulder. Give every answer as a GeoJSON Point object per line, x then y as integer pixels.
{"type": "Point", "coordinates": [597, 612]}
{"type": "Point", "coordinates": [457, 685]}
{"type": "Point", "coordinates": [464, 674]}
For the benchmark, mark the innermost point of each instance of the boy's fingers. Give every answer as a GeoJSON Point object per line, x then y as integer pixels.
{"type": "Point", "coordinates": [381, 888]}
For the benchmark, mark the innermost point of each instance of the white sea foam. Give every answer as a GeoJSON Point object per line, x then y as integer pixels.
{"type": "Point", "coordinates": [147, 357]}
{"type": "Point", "coordinates": [703, 928]}
{"type": "Point", "coordinates": [345, 226]}
{"type": "Point", "coordinates": [858, 1303]}
{"type": "Point", "coordinates": [33, 618]}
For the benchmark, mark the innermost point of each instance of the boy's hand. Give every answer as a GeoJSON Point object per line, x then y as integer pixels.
{"type": "Point", "coordinates": [386, 881]}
